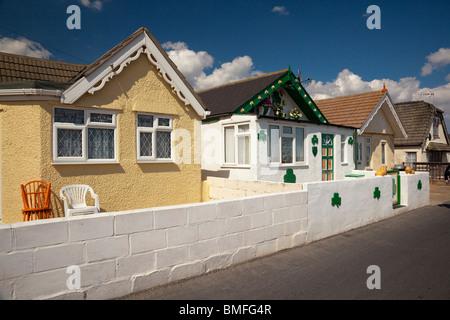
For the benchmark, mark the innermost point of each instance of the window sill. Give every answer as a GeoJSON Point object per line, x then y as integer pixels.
{"type": "Point", "coordinates": [288, 165]}
{"type": "Point", "coordinates": [237, 166]}
{"type": "Point", "coordinates": [155, 161]}
{"type": "Point", "coordinates": [58, 163]}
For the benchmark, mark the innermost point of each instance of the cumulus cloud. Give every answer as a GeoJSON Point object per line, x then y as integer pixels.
{"type": "Point", "coordinates": [24, 46]}
{"type": "Point", "coordinates": [194, 64]}
{"type": "Point", "coordinates": [96, 4]}
{"type": "Point", "coordinates": [436, 60]}
{"type": "Point", "coordinates": [281, 10]}
{"type": "Point", "coordinates": [406, 89]}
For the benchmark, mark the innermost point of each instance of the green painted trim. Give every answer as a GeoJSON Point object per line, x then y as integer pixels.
{"type": "Point", "coordinates": [295, 90]}
{"type": "Point", "coordinates": [398, 186]}
{"type": "Point", "coordinates": [210, 120]}
{"type": "Point", "coordinates": [355, 175]}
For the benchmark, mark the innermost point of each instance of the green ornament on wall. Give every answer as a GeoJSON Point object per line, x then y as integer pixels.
{"type": "Point", "coordinates": [377, 193]}
{"type": "Point", "coordinates": [336, 200]}
{"type": "Point", "coordinates": [350, 141]}
{"type": "Point", "coordinates": [314, 150]}
{"type": "Point", "coordinates": [290, 177]}
{"type": "Point", "coordinates": [419, 185]}
{"type": "Point", "coordinates": [315, 140]}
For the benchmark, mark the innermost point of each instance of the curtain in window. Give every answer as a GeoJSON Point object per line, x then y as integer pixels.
{"type": "Point", "coordinates": [146, 144]}
{"type": "Point", "coordinates": [299, 144]}
{"type": "Point", "coordinates": [163, 145]}
{"type": "Point", "coordinates": [229, 145]}
{"type": "Point", "coordinates": [101, 144]}
{"type": "Point", "coordinates": [274, 143]}
{"type": "Point", "coordinates": [69, 143]}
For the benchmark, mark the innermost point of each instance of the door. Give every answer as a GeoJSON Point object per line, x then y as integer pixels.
{"type": "Point", "coordinates": [327, 157]}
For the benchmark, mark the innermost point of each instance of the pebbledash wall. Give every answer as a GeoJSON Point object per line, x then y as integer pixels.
{"type": "Point", "coordinates": [124, 252]}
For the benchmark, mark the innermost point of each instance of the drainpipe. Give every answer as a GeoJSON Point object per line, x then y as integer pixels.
{"type": "Point", "coordinates": [355, 149]}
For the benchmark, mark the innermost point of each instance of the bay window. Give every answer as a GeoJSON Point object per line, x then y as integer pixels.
{"type": "Point", "coordinates": [84, 136]}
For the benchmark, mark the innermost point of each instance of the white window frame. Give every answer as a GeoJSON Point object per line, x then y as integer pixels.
{"type": "Point", "coordinates": [87, 124]}
{"type": "Point", "coordinates": [368, 152]}
{"type": "Point", "coordinates": [237, 135]}
{"type": "Point", "coordinates": [294, 145]}
{"type": "Point", "coordinates": [153, 130]}
{"type": "Point", "coordinates": [343, 149]}
{"type": "Point", "coordinates": [383, 152]}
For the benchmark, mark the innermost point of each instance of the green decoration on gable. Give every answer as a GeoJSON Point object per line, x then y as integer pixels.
{"type": "Point", "coordinates": [377, 193]}
{"type": "Point", "coordinates": [419, 185]}
{"type": "Point", "coordinates": [336, 200]}
{"type": "Point", "coordinates": [290, 177]}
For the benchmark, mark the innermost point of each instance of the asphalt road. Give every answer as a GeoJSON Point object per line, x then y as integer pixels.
{"type": "Point", "coordinates": [411, 250]}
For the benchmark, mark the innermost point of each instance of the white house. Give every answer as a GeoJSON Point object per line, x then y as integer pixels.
{"type": "Point", "coordinates": [268, 128]}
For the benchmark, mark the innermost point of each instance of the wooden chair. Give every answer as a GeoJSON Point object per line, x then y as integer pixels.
{"type": "Point", "coordinates": [36, 200]}
{"type": "Point", "coordinates": [74, 198]}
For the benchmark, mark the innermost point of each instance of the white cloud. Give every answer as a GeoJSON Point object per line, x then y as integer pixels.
{"type": "Point", "coordinates": [24, 46]}
{"type": "Point", "coordinates": [281, 10]}
{"type": "Point", "coordinates": [406, 89]}
{"type": "Point", "coordinates": [193, 65]}
{"type": "Point", "coordinates": [96, 4]}
{"type": "Point", "coordinates": [436, 60]}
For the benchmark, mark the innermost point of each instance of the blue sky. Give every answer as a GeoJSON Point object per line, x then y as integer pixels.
{"type": "Point", "coordinates": [214, 42]}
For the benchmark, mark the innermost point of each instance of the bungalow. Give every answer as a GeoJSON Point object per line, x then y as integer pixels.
{"type": "Point", "coordinates": [428, 139]}
{"type": "Point", "coordinates": [125, 125]}
{"type": "Point", "coordinates": [268, 128]}
{"type": "Point", "coordinates": [378, 125]}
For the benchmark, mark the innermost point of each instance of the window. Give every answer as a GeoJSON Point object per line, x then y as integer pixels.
{"type": "Point", "coordinates": [154, 137]}
{"type": "Point", "coordinates": [289, 144]}
{"type": "Point", "coordinates": [411, 157]}
{"type": "Point", "coordinates": [368, 151]}
{"type": "Point", "coordinates": [383, 153]}
{"type": "Point", "coordinates": [435, 128]}
{"type": "Point", "coordinates": [360, 152]}
{"type": "Point", "coordinates": [237, 144]}
{"type": "Point", "coordinates": [343, 157]}
{"type": "Point", "coordinates": [84, 136]}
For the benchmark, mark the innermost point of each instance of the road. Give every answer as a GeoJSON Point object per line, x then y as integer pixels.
{"type": "Point", "coordinates": [411, 250]}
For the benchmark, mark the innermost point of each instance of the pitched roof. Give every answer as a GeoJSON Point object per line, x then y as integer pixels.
{"type": "Point", "coordinates": [416, 117]}
{"type": "Point", "coordinates": [225, 99]}
{"type": "Point", "coordinates": [17, 68]}
{"type": "Point", "coordinates": [351, 110]}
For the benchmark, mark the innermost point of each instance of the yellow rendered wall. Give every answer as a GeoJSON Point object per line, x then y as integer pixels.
{"type": "Point", "coordinates": [123, 186]}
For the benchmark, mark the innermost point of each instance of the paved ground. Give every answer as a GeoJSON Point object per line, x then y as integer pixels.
{"type": "Point", "coordinates": [411, 250]}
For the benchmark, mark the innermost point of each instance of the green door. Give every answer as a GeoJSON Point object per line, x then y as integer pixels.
{"type": "Point", "coordinates": [327, 157]}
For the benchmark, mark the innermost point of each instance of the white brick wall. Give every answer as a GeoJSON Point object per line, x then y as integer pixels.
{"type": "Point", "coordinates": [124, 252]}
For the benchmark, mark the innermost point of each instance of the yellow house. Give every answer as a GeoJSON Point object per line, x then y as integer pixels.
{"type": "Point", "coordinates": [378, 124]}
{"type": "Point", "coordinates": [124, 125]}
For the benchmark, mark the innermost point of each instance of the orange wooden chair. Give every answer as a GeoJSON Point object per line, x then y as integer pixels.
{"type": "Point", "coordinates": [36, 200]}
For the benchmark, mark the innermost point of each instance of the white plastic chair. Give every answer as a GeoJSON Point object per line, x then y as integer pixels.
{"type": "Point", "coordinates": [74, 197]}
